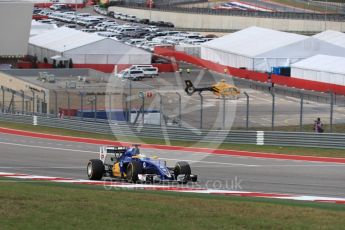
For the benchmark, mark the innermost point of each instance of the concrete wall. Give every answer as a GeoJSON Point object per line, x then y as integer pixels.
{"type": "Point", "coordinates": [20, 85]}
{"type": "Point", "coordinates": [200, 21]}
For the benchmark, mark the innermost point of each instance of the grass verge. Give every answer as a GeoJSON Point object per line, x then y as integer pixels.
{"type": "Point", "coordinates": [242, 147]}
{"type": "Point", "coordinates": [47, 205]}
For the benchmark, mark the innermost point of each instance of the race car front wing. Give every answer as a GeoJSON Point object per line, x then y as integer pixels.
{"type": "Point", "coordinates": [154, 178]}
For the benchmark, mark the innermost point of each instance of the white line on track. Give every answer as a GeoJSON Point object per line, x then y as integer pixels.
{"type": "Point", "coordinates": [85, 151]}
{"type": "Point", "coordinates": [44, 147]}
{"type": "Point", "coordinates": [172, 159]}
{"type": "Point", "coordinates": [38, 167]}
{"type": "Point", "coordinates": [272, 166]}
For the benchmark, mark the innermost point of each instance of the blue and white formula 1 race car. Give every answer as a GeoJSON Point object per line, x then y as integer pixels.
{"type": "Point", "coordinates": [127, 163]}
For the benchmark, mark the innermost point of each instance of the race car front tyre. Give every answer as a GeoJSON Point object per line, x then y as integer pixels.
{"type": "Point", "coordinates": [182, 167]}
{"type": "Point", "coordinates": [95, 169]}
{"type": "Point", "coordinates": [133, 169]}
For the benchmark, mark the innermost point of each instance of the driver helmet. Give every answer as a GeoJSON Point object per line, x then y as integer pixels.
{"type": "Point", "coordinates": [136, 151]}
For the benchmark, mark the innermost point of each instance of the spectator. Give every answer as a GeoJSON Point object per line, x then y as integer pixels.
{"type": "Point", "coordinates": [270, 82]}
{"type": "Point", "coordinates": [318, 126]}
{"type": "Point", "coordinates": [54, 64]}
{"type": "Point", "coordinates": [70, 63]}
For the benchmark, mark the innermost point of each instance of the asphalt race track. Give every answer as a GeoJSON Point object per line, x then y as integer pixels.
{"type": "Point", "coordinates": [36, 156]}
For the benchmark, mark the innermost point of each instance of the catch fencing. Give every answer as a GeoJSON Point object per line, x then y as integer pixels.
{"type": "Point", "coordinates": [324, 140]}
{"type": "Point", "coordinates": [337, 17]}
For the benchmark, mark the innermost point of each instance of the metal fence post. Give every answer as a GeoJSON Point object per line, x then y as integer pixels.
{"type": "Point", "coordinates": [44, 109]}
{"type": "Point", "coordinates": [13, 101]}
{"type": "Point", "coordinates": [160, 108]}
{"type": "Point", "coordinates": [331, 113]}
{"type": "Point", "coordinates": [143, 109]}
{"type": "Point", "coordinates": [273, 108]}
{"type": "Point", "coordinates": [130, 100]}
{"type": "Point", "coordinates": [201, 108]}
{"type": "Point", "coordinates": [109, 103]}
{"type": "Point", "coordinates": [126, 107]}
{"type": "Point", "coordinates": [68, 104]}
{"type": "Point", "coordinates": [247, 112]}
{"type": "Point", "coordinates": [3, 99]}
{"type": "Point", "coordinates": [56, 103]}
{"type": "Point", "coordinates": [223, 112]}
{"type": "Point", "coordinates": [301, 113]}
{"type": "Point", "coordinates": [179, 109]}
{"type": "Point", "coordinates": [33, 102]}
{"type": "Point", "coordinates": [22, 101]}
{"type": "Point", "coordinates": [95, 103]}
{"type": "Point", "coordinates": [81, 104]}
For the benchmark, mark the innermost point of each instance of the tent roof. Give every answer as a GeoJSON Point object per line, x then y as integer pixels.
{"type": "Point", "coordinates": [323, 63]}
{"type": "Point", "coordinates": [253, 41]}
{"type": "Point", "coordinates": [68, 40]}
{"type": "Point", "coordinates": [331, 36]}
{"type": "Point", "coordinates": [38, 28]}
{"type": "Point", "coordinates": [63, 39]}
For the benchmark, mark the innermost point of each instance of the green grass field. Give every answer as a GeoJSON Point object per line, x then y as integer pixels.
{"type": "Point", "coordinates": [241, 147]}
{"type": "Point", "coordinates": [46, 205]}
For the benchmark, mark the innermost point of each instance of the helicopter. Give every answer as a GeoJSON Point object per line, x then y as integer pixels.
{"type": "Point", "coordinates": [220, 89]}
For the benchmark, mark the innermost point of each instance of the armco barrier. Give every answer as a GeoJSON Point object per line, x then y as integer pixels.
{"type": "Point", "coordinates": [252, 75]}
{"type": "Point", "coordinates": [324, 140]}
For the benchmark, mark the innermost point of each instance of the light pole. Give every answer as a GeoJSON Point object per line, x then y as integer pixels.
{"type": "Point", "coordinates": [75, 14]}
{"type": "Point", "coordinates": [326, 14]}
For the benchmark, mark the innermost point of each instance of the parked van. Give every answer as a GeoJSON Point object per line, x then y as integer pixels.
{"type": "Point", "coordinates": [135, 41]}
{"type": "Point", "coordinates": [150, 71]}
{"type": "Point", "coordinates": [125, 30]}
{"type": "Point", "coordinates": [140, 66]}
{"type": "Point", "coordinates": [58, 6]}
{"type": "Point", "coordinates": [132, 74]}
{"type": "Point", "coordinates": [90, 21]}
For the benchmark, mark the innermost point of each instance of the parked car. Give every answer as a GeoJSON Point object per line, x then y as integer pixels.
{"type": "Point", "coordinates": [131, 18]}
{"type": "Point", "coordinates": [59, 7]}
{"type": "Point", "coordinates": [169, 24]}
{"type": "Point", "coordinates": [144, 21]}
{"type": "Point", "coordinates": [47, 21]}
{"type": "Point", "coordinates": [135, 41]}
{"type": "Point", "coordinates": [160, 23]}
{"type": "Point", "coordinates": [89, 30]}
{"type": "Point", "coordinates": [90, 22]}
{"type": "Point", "coordinates": [72, 26]}
{"type": "Point", "coordinates": [152, 28]}
{"type": "Point", "coordinates": [107, 34]}
{"type": "Point", "coordinates": [131, 74]}
{"type": "Point", "coordinates": [111, 14]}
{"type": "Point", "coordinates": [153, 23]}
{"type": "Point", "coordinates": [124, 30]}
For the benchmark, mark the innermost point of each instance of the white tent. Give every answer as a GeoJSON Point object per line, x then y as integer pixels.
{"type": "Point", "coordinates": [321, 68]}
{"type": "Point", "coordinates": [334, 37]}
{"type": "Point", "coordinates": [85, 48]}
{"type": "Point", "coordinates": [261, 49]}
{"type": "Point", "coordinates": [38, 28]}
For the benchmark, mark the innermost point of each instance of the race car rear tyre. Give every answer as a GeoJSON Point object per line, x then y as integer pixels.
{"type": "Point", "coordinates": [95, 169]}
{"type": "Point", "coordinates": [133, 169]}
{"type": "Point", "coordinates": [182, 167]}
